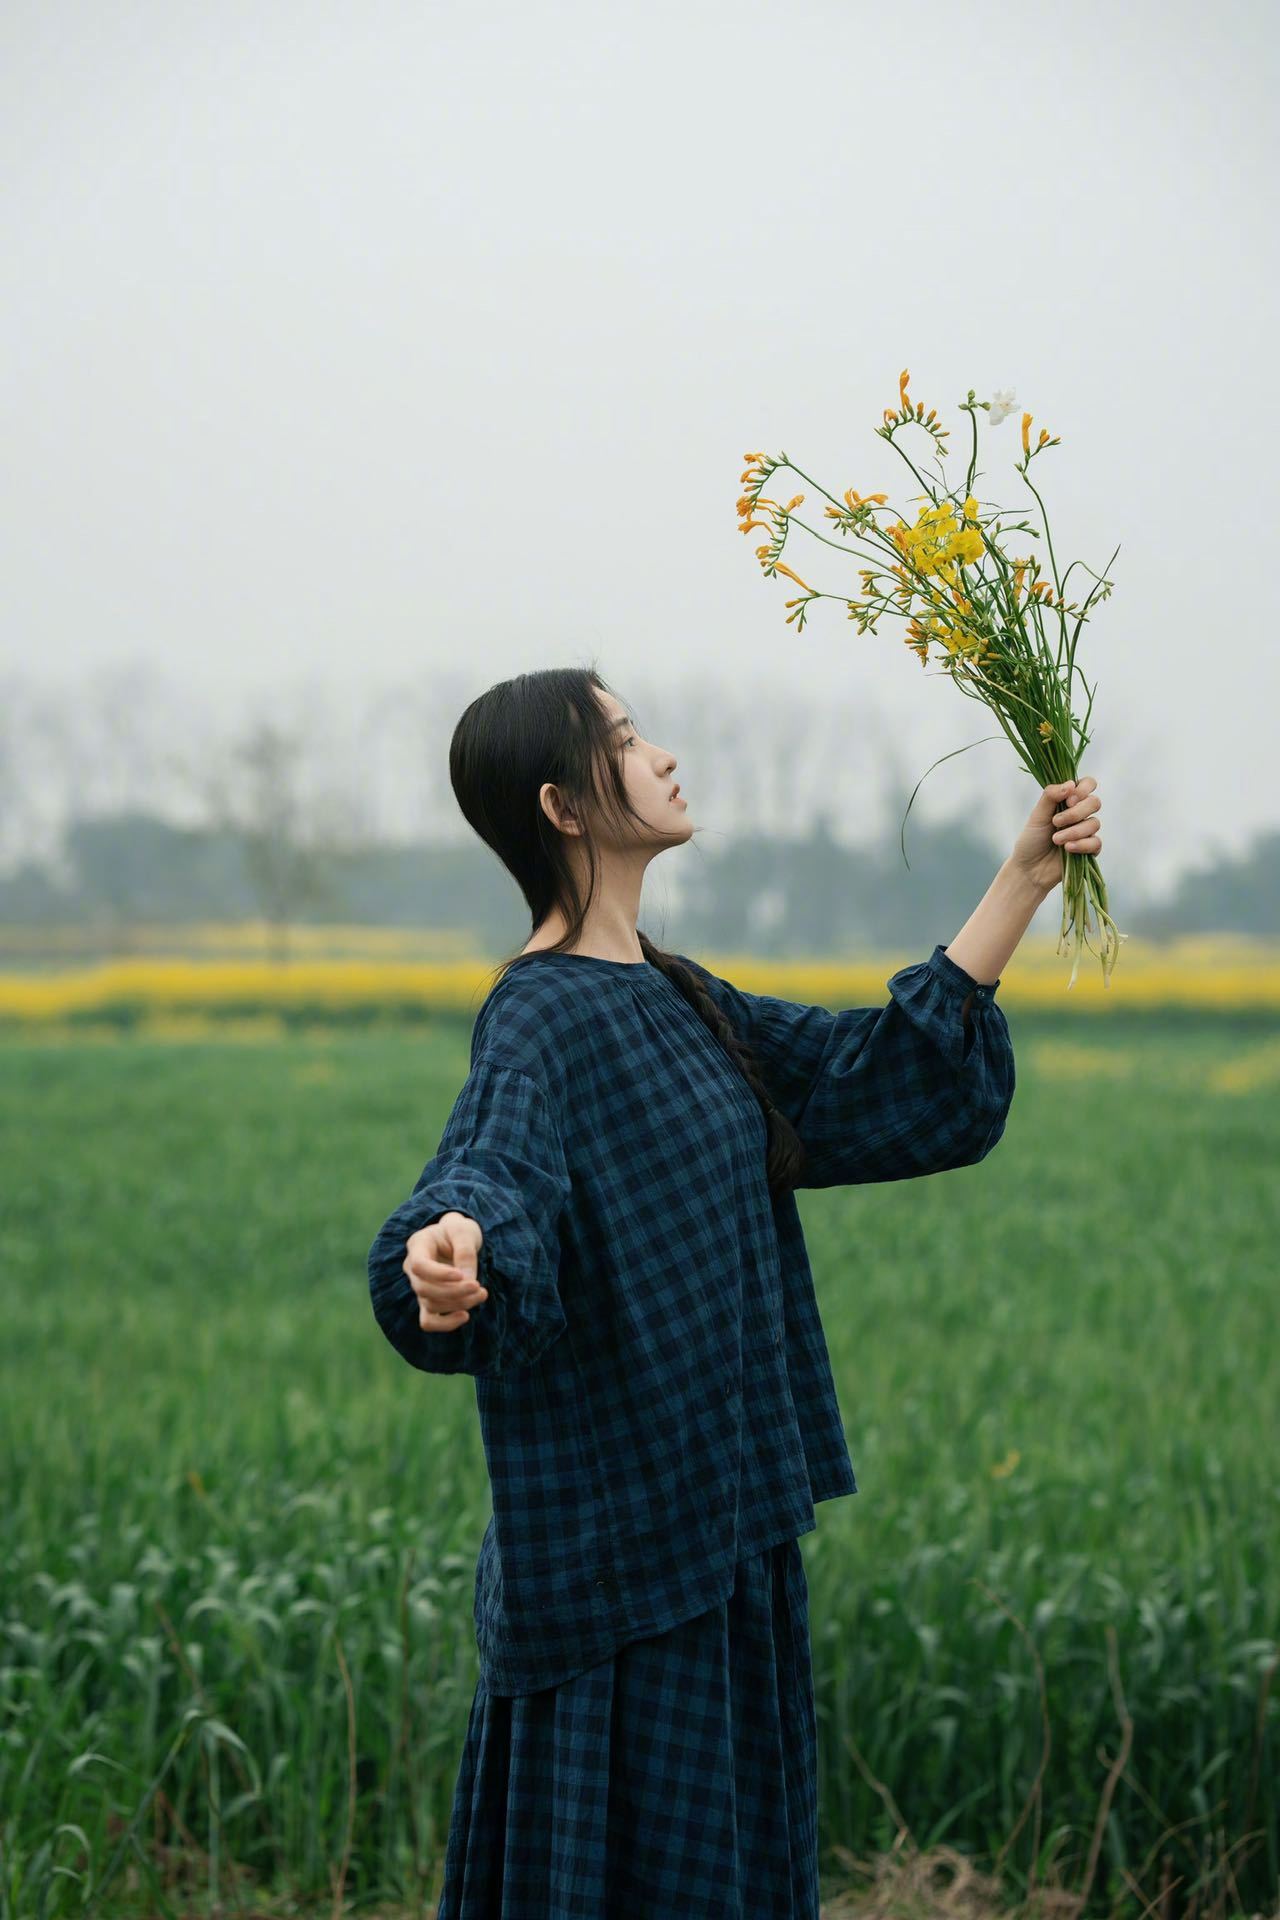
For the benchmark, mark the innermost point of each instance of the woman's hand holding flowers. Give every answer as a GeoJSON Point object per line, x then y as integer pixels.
{"type": "Point", "coordinates": [1065, 819]}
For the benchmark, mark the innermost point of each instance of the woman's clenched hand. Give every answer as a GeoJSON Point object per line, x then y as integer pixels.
{"type": "Point", "coordinates": [442, 1262]}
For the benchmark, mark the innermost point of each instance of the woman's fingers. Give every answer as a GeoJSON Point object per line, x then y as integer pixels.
{"type": "Point", "coordinates": [1081, 839]}
{"type": "Point", "coordinates": [436, 1320]}
{"type": "Point", "coordinates": [1082, 830]}
{"type": "Point", "coordinates": [444, 1291]}
{"type": "Point", "coordinates": [1079, 808]}
{"type": "Point", "coordinates": [1076, 826]}
{"type": "Point", "coordinates": [1081, 811]}
{"type": "Point", "coordinates": [440, 1307]}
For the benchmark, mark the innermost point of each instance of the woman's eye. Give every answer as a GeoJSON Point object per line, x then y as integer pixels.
{"type": "Point", "coordinates": [627, 742]}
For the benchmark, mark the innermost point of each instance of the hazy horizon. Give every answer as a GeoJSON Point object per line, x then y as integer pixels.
{"type": "Point", "coordinates": [405, 349]}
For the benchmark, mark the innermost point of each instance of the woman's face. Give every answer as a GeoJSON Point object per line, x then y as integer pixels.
{"type": "Point", "coordinates": [648, 772]}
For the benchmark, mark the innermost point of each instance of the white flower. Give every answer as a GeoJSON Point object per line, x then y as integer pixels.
{"type": "Point", "coordinates": [1002, 402]}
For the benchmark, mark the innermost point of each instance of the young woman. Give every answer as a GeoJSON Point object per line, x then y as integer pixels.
{"type": "Point", "coordinates": [608, 1240]}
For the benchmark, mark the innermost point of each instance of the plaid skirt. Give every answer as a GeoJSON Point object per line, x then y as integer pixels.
{"type": "Point", "coordinates": [676, 1780]}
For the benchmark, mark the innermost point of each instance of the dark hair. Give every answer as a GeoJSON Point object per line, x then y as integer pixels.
{"type": "Point", "coordinates": [550, 726]}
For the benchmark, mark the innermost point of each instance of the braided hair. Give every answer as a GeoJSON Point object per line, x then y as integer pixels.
{"type": "Point", "coordinates": [784, 1153]}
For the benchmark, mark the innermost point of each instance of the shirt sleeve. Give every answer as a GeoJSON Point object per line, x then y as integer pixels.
{"type": "Point", "coordinates": [884, 1093]}
{"type": "Point", "coordinates": [500, 1160]}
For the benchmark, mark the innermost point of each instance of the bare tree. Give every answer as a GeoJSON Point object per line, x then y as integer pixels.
{"type": "Point", "coordinates": [256, 792]}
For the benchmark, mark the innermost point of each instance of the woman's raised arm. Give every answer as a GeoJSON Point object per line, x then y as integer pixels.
{"type": "Point", "coordinates": [888, 1092]}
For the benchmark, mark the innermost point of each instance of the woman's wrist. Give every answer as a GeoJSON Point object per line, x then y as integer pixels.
{"type": "Point", "coordinates": [1019, 884]}
{"type": "Point", "coordinates": [989, 937]}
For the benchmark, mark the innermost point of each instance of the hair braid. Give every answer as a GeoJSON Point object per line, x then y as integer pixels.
{"type": "Point", "coordinates": [785, 1152]}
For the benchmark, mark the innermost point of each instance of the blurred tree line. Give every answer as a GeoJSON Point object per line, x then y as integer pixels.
{"type": "Point", "coordinates": [794, 894]}
{"type": "Point", "coordinates": [343, 815]}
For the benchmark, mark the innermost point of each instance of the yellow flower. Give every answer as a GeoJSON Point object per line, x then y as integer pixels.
{"type": "Point", "coordinates": [1046, 728]}
{"type": "Point", "coordinates": [1026, 428]}
{"type": "Point", "coordinates": [967, 546]}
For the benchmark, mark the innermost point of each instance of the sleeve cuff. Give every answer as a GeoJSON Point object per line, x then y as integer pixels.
{"type": "Point", "coordinates": [523, 1313]}
{"type": "Point", "coordinates": [950, 971]}
{"type": "Point", "coordinates": [932, 993]}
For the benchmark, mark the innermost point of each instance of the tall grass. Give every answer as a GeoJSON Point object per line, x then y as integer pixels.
{"type": "Point", "coordinates": [238, 1533]}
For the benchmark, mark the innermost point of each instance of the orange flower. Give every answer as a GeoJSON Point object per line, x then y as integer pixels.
{"type": "Point", "coordinates": [782, 567]}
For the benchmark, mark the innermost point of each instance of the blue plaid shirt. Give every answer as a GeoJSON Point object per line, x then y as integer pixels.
{"type": "Point", "coordinates": [652, 1380]}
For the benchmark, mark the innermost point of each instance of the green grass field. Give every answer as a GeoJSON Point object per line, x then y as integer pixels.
{"type": "Point", "coordinates": [239, 1533]}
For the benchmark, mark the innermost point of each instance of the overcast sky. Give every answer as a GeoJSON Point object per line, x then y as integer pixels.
{"type": "Point", "coordinates": [371, 340]}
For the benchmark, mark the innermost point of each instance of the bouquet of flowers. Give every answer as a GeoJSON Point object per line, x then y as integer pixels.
{"type": "Point", "coordinates": [1004, 632]}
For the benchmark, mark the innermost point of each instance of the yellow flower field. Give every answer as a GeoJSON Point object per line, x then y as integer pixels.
{"type": "Point", "coordinates": [390, 971]}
